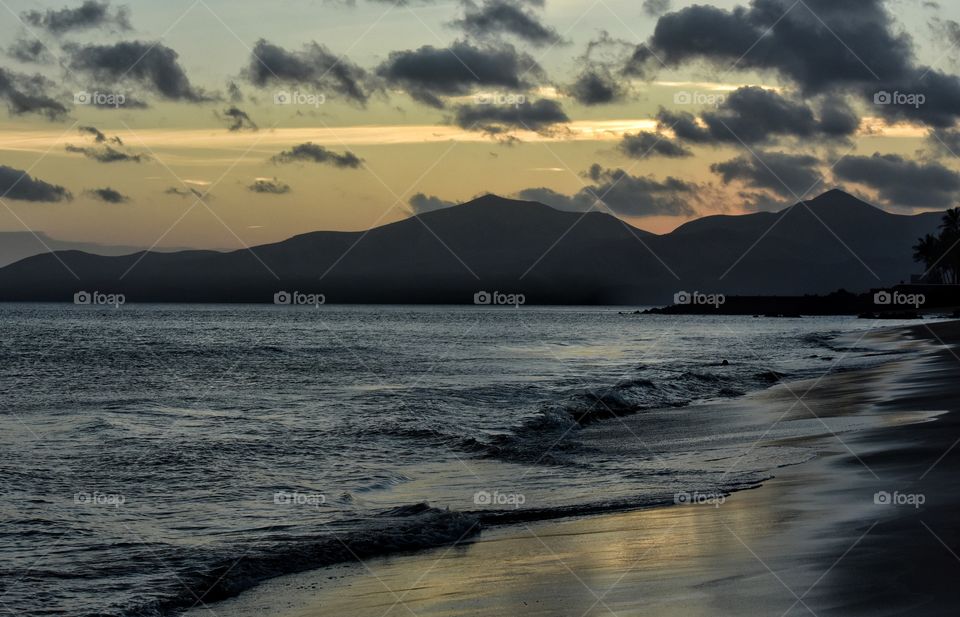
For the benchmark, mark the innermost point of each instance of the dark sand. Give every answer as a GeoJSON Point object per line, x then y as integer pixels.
{"type": "Point", "coordinates": [811, 541]}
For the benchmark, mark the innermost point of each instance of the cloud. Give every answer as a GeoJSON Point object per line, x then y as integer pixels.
{"type": "Point", "coordinates": [596, 86]}
{"type": "Point", "coordinates": [234, 92]}
{"type": "Point", "coordinates": [763, 201]}
{"type": "Point", "coordinates": [902, 182]}
{"type": "Point", "coordinates": [107, 195]}
{"type": "Point", "coordinates": [654, 8]}
{"type": "Point", "coordinates": [26, 94]}
{"type": "Point", "coordinates": [314, 66]}
{"type": "Point", "coordinates": [270, 186]}
{"type": "Point", "coordinates": [30, 51]}
{"type": "Point", "coordinates": [646, 144]}
{"type": "Point", "coordinates": [623, 194]}
{"type": "Point", "coordinates": [752, 115]}
{"type": "Point", "coordinates": [429, 73]}
{"type": "Point", "coordinates": [496, 17]}
{"type": "Point", "coordinates": [107, 154]}
{"type": "Point", "coordinates": [17, 184]}
{"type": "Point", "coordinates": [90, 14]}
{"type": "Point", "coordinates": [684, 125]}
{"type": "Point", "coordinates": [945, 142]}
{"type": "Point", "coordinates": [238, 120]}
{"type": "Point", "coordinates": [541, 116]}
{"type": "Point", "coordinates": [312, 153]}
{"type": "Point", "coordinates": [187, 192]}
{"type": "Point", "coordinates": [790, 40]}
{"type": "Point", "coordinates": [98, 135]}
{"type": "Point", "coordinates": [788, 175]}
{"type": "Point", "coordinates": [821, 46]}
{"type": "Point", "coordinates": [152, 65]}
{"type": "Point", "coordinates": [421, 203]}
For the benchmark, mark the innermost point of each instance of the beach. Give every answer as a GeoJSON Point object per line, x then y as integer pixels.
{"type": "Point", "coordinates": [864, 527]}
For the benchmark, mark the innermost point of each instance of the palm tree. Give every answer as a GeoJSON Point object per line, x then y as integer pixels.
{"type": "Point", "coordinates": [949, 241]}
{"type": "Point", "coordinates": [941, 254]}
{"type": "Point", "coordinates": [951, 221]}
{"type": "Point", "coordinates": [925, 252]}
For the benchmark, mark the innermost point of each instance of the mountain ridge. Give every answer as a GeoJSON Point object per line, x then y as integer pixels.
{"type": "Point", "coordinates": [495, 243]}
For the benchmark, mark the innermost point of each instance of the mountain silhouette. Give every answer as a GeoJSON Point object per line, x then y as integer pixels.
{"type": "Point", "coordinates": [496, 244]}
{"type": "Point", "coordinates": [17, 245]}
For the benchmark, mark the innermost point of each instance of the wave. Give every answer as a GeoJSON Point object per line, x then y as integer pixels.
{"type": "Point", "coordinates": [402, 529]}
{"type": "Point", "coordinates": [407, 528]}
{"type": "Point", "coordinates": [553, 429]}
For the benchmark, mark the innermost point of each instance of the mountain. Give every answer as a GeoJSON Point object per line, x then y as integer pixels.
{"type": "Point", "coordinates": [498, 244]}
{"type": "Point", "coordinates": [17, 245]}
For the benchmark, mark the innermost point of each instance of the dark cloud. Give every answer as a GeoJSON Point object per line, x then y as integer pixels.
{"type": "Point", "coordinates": [792, 40]}
{"type": "Point", "coordinates": [312, 153]}
{"type": "Point", "coordinates": [107, 195]}
{"type": "Point", "coordinates": [421, 203]}
{"type": "Point", "coordinates": [903, 182]}
{"type": "Point", "coordinates": [758, 201]}
{"type": "Point", "coordinates": [945, 142]}
{"type": "Point", "coordinates": [314, 66]}
{"type": "Point", "coordinates": [788, 175]}
{"type": "Point", "coordinates": [596, 86]}
{"type": "Point", "coordinates": [31, 51]}
{"type": "Point", "coordinates": [17, 184]}
{"type": "Point", "coordinates": [429, 73]}
{"type": "Point", "coordinates": [822, 46]}
{"type": "Point", "coordinates": [684, 126]}
{"type": "Point", "coordinates": [646, 144]}
{"type": "Point", "coordinates": [946, 28]}
{"type": "Point", "coordinates": [152, 65]}
{"type": "Point", "coordinates": [90, 14]}
{"type": "Point", "coordinates": [654, 8]}
{"type": "Point", "coordinates": [238, 120]}
{"type": "Point", "coordinates": [837, 118]}
{"type": "Point", "coordinates": [496, 17]}
{"type": "Point", "coordinates": [27, 94]}
{"type": "Point", "coordinates": [191, 192]}
{"type": "Point", "coordinates": [107, 154]}
{"type": "Point", "coordinates": [752, 115]}
{"type": "Point", "coordinates": [270, 186]}
{"type": "Point", "coordinates": [623, 194]}
{"type": "Point", "coordinates": [234, 93]}
{"type": "Point", "coordinates": [98, 135]}
{"type": "Point", "coordinates": [541, 116]}
{"type": "Point", "coordinates": [104, 152]}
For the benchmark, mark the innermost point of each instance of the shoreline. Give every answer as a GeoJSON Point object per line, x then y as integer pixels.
{"type": "Point", "coordinates": [798, 549]}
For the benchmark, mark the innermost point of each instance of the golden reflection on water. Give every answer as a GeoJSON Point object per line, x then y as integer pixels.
{"type": "Point", "coordinates": [664, 561]}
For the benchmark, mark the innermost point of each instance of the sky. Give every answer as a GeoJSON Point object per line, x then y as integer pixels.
{"type": "Point", "coordinates": [224, 124]}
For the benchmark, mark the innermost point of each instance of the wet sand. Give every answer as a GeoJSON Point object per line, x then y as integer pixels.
{"type": "Point", "coordinates": [813, 540]}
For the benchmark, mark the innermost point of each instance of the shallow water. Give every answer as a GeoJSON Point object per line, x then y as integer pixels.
{"type": "Point", "coordinates": [145, 450]}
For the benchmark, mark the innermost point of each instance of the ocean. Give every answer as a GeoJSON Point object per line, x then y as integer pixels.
{"type": "Point", "coordinates": [157, 457]}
